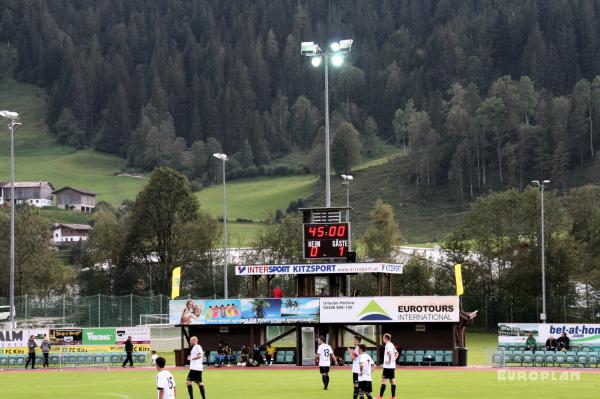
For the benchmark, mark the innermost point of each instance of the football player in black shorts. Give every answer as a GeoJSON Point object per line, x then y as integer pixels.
{"type": "Point", "coordinates": [323, 358]}
{"type": "Point", "coordinates": [196, 365]}
{"type": "Point", "coordinates": [390, 355]}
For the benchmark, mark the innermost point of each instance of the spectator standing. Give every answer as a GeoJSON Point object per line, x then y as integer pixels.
{"type": "Point", "coordinates": [31, 345]}
{"type": "Point", "coordinates": [129, 352]}
{"type": "Point", "coordinates": [563, 342]}
{"type": "Point", "coordinates": [531, 343]}
{"type": "Point", "coordinates": [551, 344]}
{"type": "Point", "coordinates": [45, 346]}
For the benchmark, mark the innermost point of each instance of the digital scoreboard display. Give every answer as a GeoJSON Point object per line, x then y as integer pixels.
{"type": "Point", "coordinates": [326, 241]}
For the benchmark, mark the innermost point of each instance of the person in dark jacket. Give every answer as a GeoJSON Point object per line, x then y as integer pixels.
{"type": "Point", "coordinates": [129, 352]}
{"type": "Point", "coordinates": [45, 347]}
{"type": "Point", "coordinates": [551, 344]}
{"type": "Point", "coordinates": [564, 342]}
{"type": "Point", "coordinates": [31, 345]}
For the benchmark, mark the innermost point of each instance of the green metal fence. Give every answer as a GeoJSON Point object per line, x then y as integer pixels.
{"type": "Point", "coordinates": [90, 311]}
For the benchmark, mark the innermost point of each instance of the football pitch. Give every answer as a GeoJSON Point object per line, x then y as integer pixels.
{"type": "Point", "coordinates": [298, 383]}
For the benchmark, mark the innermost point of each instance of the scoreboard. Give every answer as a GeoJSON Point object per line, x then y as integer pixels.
{"type": "Point", "coordinates": [326, 240]}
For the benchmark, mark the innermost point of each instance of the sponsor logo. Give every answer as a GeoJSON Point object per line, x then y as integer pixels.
{"type": "Point", "coordinates": [11, 335]}
{"type": "Point", "coordinates": [96, 337]}
{"type": "Point", "coordinates": [241, 269]}
{"type": "Point", "coordinates": [373, 311]}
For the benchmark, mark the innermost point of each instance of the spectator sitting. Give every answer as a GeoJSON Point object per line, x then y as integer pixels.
{"type": "Point", "coordinates": [551, 344]}
{"type": "Point", "coordinates": [256, 356]}
{"type": "Point", "coordinates": [270, 354]}
{"type": "Point", "coordinates": [228, 356]}
{"type": "Point", "coordinates": [530, 344]}
{"type": "Point", "coordinates": [563, 342]}
{"type": "Point", "coordinates": [244, 355]}
{"type": "Point", "coordinates": [220, 358]}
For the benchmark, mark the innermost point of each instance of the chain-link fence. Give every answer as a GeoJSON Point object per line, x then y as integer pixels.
{"type": "Point", "coordinates": [526, 309]}
{"type": "Point", "coordinates": [89, 311]}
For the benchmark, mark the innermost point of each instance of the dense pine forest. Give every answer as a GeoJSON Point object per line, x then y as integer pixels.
{"type": "Point", "coordinates": [482, 93]}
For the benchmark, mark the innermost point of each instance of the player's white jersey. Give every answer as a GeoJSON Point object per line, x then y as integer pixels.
{"type": "Point", "coordinates": [197, 363]}
{"type": "Point", "coordinates": [356, 361]}
{"type": "Point", "coordinates": [165, 380]}
{"type": "Point", "coordinates": [367, 363]}
{"type": "Point", "coordinates": [390, 352]}
{"type": "Point", "coordinates": [324, 351]}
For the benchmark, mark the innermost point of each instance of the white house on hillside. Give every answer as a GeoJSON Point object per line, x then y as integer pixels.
{"type": "Point", "coordinates": [63, 233]}
{"type": "Point", "coordinates": [38, 194]}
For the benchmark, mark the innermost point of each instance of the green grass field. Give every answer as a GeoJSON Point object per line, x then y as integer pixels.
{"type": "Point", "coordinates": [256, 199]}
{"type": "Point", "coordinates": [287, 384]}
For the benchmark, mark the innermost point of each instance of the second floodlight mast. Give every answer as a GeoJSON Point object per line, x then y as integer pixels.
{"type": "Point", "coordinates": [337, 51]}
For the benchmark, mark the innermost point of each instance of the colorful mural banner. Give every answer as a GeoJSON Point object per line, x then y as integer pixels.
{"type": "Point", "coordinates": [243, 311]}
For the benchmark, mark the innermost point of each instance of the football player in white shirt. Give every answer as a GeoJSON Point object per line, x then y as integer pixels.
{"type": "Point", "coordinates": [366, 365]}
{"type": "Point", "coordinates": [390, 355]}
{"type": "Point", "coordinates": [324, 356]}
{"type": "Point", "coordinates": [355, 364]}
{"type": "Point", "coordinates": [165, 383]}
{"type": "Point", "coordinates": [195, 375]}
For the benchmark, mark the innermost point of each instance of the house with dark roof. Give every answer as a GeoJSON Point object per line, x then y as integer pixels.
{"type": "Point", "coordinates": [38, 194]}
{"type": "Point", "coordinates": [70, 233]}
{"type": "Point", "coordinates": [75, 199]}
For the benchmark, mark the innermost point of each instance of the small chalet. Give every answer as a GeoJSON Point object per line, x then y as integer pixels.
{"type": "Point", "coordinates": [75, 199]}
{"type": "Point", "coordinates": [38, 194]}
{"type": "Point", "coordinates": [68, 233]}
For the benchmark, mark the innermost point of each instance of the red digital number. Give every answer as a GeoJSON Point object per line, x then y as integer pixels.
{"type": "Point", "coordinates": [314, 251]}
{"type": "Point", "coordinates": [312, 231]}
{"type": "Point", "coordinates": [341, 231]}
{"type": "Point", "coordinates": [320, 231]}
{"type": "Point", "coordinates": [332, 231]}
{"type": "Point", "coordinates": [342, 251]}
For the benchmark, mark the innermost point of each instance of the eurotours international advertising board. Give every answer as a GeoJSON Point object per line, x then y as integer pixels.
{"type": "Point", "coordinates": [395, 309]}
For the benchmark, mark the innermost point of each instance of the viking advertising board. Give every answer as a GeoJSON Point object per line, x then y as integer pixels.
{"type": "Point", "coordinates": [244, 311]}
{"type": "Point", "coordinates": [316, 268]}
{"type": "Point", "coordinates": [398, 309]}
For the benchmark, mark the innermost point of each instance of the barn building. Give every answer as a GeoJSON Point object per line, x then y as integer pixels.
{"type": "Point", "coordinates": [75, 199]}
{"type": "Point", "coordinates": [38, 194]}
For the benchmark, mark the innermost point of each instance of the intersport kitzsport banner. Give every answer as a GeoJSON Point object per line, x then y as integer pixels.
{"type": "Point", "coordinates": [395, 309]}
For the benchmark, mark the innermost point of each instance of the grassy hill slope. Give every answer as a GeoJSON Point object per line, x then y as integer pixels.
{"type": "Point", "coordinates": [38, 156]}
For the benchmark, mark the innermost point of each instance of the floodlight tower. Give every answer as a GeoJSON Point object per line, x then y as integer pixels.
{"type": "Point", "coordinates": [13, 118]}
{"type": "Point", "coordinates": [337, 51]}
{"type": "Point", "coordinates": [541, 186]}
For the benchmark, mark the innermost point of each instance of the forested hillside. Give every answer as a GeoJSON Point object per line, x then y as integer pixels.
{"type": "Point", "coordinates": [482, 94]}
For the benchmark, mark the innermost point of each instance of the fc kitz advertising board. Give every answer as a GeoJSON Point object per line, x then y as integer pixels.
{"type": "Point", "coordinates": [399, 309]}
